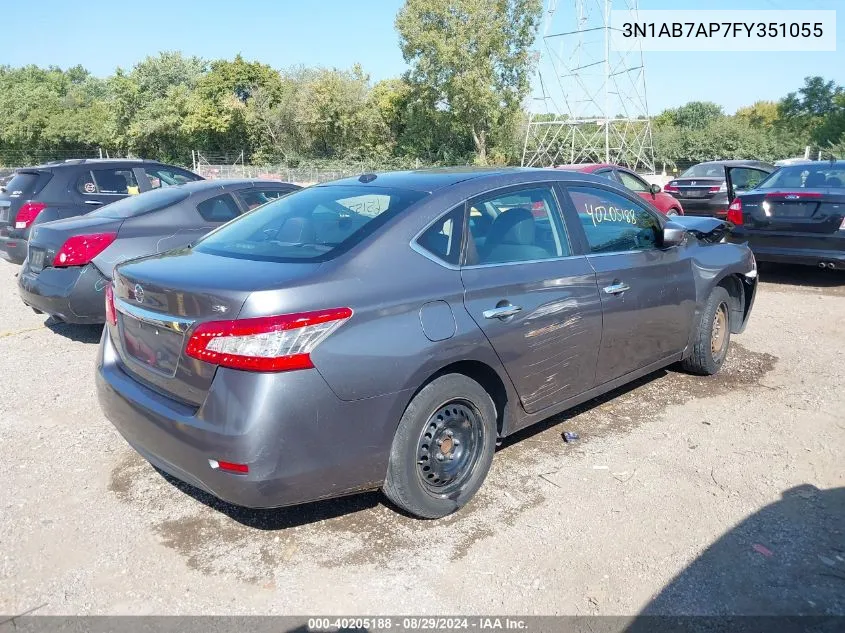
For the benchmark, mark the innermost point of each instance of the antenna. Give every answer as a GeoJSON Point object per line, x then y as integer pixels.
{"type": "Point", "coordinates": [589, 102]}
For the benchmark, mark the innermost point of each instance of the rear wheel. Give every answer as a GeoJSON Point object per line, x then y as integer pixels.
{"type": "Point", "coordinates": [443, 447]}
{"type": "Point", "coordinates": [713, 335]}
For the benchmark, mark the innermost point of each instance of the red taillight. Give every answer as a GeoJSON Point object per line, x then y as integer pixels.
{"type": "Point", "coordinates": [714, 189]}
{"type": "Point", "coordinates": [27, 214]}
{"type": "Point", "coordinates": [735, 212]}
{"type": "Point", "coordinates": [276, 343]}
{"type": "Point", "coordinates": [230, 467]}
{"type": "Point", "coordinates": [671, 189]}
{"type": "Point", "coordinates": [81, 249]}
{"type": "Point", "coordinates": [111, 315]}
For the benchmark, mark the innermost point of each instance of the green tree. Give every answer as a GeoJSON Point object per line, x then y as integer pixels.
{"type": "Point", "coordinates": [471, 57]}
{"type": "Point", "coordinates": [816, 111]}
{"type": "Point", "coordinates": [695, 115]}
{"type": "Point", "coordinates": [762, 114]}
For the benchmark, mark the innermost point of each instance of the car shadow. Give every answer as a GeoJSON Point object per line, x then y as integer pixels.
{"type": "Point", "coordinates": [800, 275]}
{"type": "Point", "coordinates": [787, 559]}
{"type": "Point", "coordinates": [78, 333]}
{"type": "Point", "coordinates": [280, 518]}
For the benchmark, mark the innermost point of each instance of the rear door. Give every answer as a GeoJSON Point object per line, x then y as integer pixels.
{"type": "Point", "coordinates": [534, 298]}
{"type": "Point", "coordinates": [647, 292]}
{"type": "Point", "coordinates": [99, 186]}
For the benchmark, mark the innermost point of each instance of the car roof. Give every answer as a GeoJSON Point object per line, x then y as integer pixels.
{"type": "Point", "coordinates": [93, 161]}
{"type": "Point", "coordinates": [589, 168]}
{"type": "Point", "coordinates": [430, 180]}
{"type": "Point", "coordinates": [229, 183]}
{"type": "Point", "coordinates": [810, 163]}
{"type": "Point", "coordinates": [734, 162]}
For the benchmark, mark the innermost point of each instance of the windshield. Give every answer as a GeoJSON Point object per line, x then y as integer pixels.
{"type": "Point", "coordinates": [823, 175]}
{"type": "Point", "coordinates": [312, 224]}
{"type": "Point", "coordinates": [705, 170]}
{"type": "Point", "coordinates": [143, 203]}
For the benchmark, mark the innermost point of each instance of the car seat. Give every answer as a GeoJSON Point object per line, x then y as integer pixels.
{"type": "Point", "coordinates": [512, 238]}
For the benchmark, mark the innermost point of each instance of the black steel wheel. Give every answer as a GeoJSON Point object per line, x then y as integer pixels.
{"type": "Point", "coordinates": [443, 447]}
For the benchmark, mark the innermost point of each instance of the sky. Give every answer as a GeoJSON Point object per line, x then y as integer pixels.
{"type": "Point", "coordinates": [102, 35]}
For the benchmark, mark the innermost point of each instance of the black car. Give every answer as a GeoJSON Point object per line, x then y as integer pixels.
{"type": "Point", "coordinates": [795, 216]}
{"type": "Point", "coordinates": [65, 189]}
{"type": "Point", "coordinates": [702, 188]}
{"type": "Point", "coordinates": [71, 261]}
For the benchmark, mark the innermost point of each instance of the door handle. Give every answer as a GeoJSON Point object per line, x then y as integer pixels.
{"type": "Point", "coordinates": [93, 202]}
{"type": "Point", "coordinates": [617, 288]}
{"type": "Point", "coordinates": [502, 312]}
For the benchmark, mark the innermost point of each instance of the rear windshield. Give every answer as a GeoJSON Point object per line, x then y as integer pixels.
{"type": "Point", "coordinates": [141, 204]}
{"type": "Point", "coordinates": [22, 184]}
{"type": "Point", "coordinates": [823, 175]}
{"type": "Point", "coordinates": [311, 224]}
{"type": "Point", "coordinates": [704, 171]}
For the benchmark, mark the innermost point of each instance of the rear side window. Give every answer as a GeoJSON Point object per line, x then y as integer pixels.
{"type": "Point", "coordinates": [139, 205]}
{"type": "Point", "coordinates": [168, 176]}
{"type": "Point", "coordinates": [443, 238]}
{"type": "Point", "coordinates": [310, 224]}
{"type": "Point", "coordinates": [613, 223]}
{"type": "Point", "coordinates": [108, 181]}
{"type": "Point", "coordinates": [219, 209]}
{"type": "Point", "coordinates": [27, 183]}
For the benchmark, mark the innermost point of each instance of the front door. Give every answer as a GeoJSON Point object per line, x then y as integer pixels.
{"type": "Point", "coordinates": [537, 303]}
{"type": "Point", "coordinates": [647, 292]}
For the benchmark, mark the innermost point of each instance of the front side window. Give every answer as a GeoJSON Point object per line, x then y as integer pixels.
{"type": "Point", "coordinates": [107, 181]}
{"type": "Point", "coordinates": [632, 182]}
{"type": "Point", "coordinates": [310, 224]}
{"type": "Point", "coordinates": [613, 223]}
{"type": "Point", "coordinates": [219, 209]}
{"type": "Point", "coordinates": [168, 177]}
{"type": "Point", "coordinates": [254, 198]}
{"type": "Point", "coordinates": [516, 227]}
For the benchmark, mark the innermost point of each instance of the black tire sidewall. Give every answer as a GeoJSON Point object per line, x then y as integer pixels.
{"type": "Point", "coordinates": [402, 484]}
{"type": "Point", "coordinates": [717, 297]}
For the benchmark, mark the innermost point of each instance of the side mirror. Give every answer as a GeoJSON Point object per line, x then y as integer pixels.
{"type": "Point", "coordinates": [673, 235]}
{"type": "Point", "coordinates": [655, 189]}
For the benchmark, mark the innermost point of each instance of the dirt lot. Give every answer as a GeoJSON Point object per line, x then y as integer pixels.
{"type": "Point", "coordinates": [684, 495]}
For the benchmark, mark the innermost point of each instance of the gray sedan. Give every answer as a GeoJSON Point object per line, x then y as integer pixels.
{"type": "Point", "coordinates": [386, 331]}
{"type": "Point", "coordinates": [69, 262]}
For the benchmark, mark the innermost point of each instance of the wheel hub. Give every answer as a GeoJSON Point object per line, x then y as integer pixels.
{"type": "Point", "coordinates": [720, 328]}
{"type": "Point", "coordinates": [449, 447]}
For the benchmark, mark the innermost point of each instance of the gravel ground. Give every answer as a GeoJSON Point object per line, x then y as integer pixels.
{"type": "Point", "coordinates": [684, 495]}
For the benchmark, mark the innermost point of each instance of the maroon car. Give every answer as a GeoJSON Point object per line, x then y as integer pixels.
{"type": "Point", "coordinates": [663, 202]}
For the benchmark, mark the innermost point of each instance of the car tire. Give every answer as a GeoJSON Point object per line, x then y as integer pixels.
{"type": "Point", "coordinates": [443, 447]}
{"type": "Point", "coordinates": [673, 211]}
{"type": "Point", "coordinates": [712, 336]}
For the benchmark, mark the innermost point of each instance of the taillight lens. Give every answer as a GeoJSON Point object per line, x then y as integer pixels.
{"type": "Point", "coordinates": [81, 249]}
{"type": "Point", "coordinates": [671, 188]}
{"type": "Point", "coordinates": [27, 214]}
{"type": "Point", "coordinates": [735, 212]}
{"type": "Point", "coordinates": [276, 343]}
{"type": "Point", "coordinates": [842, 226]}
{"type": "Point", "coordinates": [111, 315]}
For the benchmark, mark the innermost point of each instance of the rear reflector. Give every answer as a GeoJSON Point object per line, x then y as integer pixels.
{"type": "Point", "coordinates": [735, 212]}
{"type": "Point", "coordinates": [27, 214]}
{"type": "Point", "coordinates": [81, 249]}
{"type": "Point", "coordinates": [111, 315]}
{"type": "Point", "coordinates": [230, 467]}
{"type": "Point", "coordinates": [276, 343]}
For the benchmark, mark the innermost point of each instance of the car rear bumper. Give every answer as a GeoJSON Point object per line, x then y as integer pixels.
{"type": "Point", "coordinates": [73, 295]}
{"type": "Point", "coordinates": [300, 441]}
{"type": "Point", "coordinates": [716, 207]}
{"type": "Point", "coordinates": [794, 249]}
{"type": "Point", "coordinates": [12, 249]}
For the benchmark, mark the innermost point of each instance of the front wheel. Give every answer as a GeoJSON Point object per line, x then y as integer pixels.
{"type": "Point", "coordinates": [443, 447]}
{"type": "Point", "coordinates": [672, 212]}
{"type": "Point", "coordinates": [713, 335]}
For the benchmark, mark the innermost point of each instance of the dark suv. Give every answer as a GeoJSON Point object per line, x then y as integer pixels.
{"type": "Point", "coordinates": [69, 188]}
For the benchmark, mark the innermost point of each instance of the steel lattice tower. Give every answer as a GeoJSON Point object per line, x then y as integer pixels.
{"type": "Point", "coordinates": [589, 102]}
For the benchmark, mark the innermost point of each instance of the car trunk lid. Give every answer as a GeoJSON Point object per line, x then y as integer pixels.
{"type": "Point", "coordinates": [804, 211]}
{"type": "Point", "coordinates": [160, 299]}
{"type": "Point", "coordinates": [694, 188]}
{"type": "Point", "coordinates": [47, 239]}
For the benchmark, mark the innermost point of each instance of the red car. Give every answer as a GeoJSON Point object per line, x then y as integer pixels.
{"type": "Point", "coordinates": [661, 200]}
